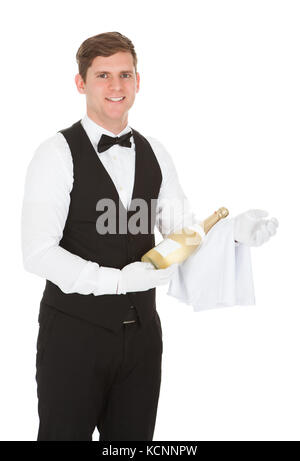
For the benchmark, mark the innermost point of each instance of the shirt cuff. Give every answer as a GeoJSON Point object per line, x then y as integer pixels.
{"type": "Point", "coordinates": [121, 289]}
{"type": "Point", "coordinates": [108, 281]}
{"type": "Point", "coordinates": [198, 227]}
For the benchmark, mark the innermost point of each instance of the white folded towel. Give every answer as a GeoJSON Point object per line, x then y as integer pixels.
{"type": "Point", "coordinates": [217, 274]}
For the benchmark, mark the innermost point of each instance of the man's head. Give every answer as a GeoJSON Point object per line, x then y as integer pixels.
{"type": "Point", "coordinates": [107, 67]}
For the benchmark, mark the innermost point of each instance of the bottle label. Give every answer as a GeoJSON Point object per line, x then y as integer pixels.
{"type": "Point", "coordinates": [166, 247]}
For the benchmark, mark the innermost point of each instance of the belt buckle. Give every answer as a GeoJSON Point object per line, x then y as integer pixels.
{"type": "Point", "coordinates": [132, 316]}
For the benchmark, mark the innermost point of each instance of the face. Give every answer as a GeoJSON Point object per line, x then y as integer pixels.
{"type": "Point", "coordinates": [110, 77]}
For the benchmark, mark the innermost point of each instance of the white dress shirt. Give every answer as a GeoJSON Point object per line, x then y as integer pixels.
{"type": "Point", "coordinates": [48, 184]}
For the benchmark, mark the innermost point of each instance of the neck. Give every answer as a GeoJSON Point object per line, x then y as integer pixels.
{"type": "Point", "coordinates": [115, 126]}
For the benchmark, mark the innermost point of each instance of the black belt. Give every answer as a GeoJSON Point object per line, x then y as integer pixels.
{"type": "Point", "coordinates": [132, 316]}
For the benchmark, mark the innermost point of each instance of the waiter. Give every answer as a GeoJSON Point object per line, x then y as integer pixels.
{"type": "Point", "coordinates": [99, 345]}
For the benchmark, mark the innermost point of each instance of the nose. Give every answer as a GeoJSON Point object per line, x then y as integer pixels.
{"type": "Point", "coordinates": [115, 83]}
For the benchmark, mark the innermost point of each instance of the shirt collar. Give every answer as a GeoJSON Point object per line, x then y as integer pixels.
{"type": "Point", "coordinates": [95, 131]}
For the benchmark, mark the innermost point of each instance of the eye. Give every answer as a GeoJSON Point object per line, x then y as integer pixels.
{"type": "Point", "coordinates": [104, 73]}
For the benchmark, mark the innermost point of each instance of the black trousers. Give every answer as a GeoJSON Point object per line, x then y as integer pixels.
{"type": "Point", "coordinates": [90, 377]}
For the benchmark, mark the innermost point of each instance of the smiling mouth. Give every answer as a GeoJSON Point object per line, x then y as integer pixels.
{"type": "Point", "coordinates": [115, 100]}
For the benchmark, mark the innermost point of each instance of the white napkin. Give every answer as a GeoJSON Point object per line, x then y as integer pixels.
{"type": "Point", "coordinates": [217, 274]}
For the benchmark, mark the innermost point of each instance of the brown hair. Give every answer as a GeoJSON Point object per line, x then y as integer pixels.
{"type": "Point", "coordinates": [104, 44]}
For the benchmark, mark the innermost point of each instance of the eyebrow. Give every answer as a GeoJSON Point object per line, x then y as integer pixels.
{"type": "Point", "coordinates": [107, 72]}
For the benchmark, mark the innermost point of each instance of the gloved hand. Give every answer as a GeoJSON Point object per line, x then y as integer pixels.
{"type": "Point", "coordinates": [141, 276]}
{"type": "Point", "coordinates": [252, 229]}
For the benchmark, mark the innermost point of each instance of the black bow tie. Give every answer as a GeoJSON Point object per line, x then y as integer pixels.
{"type": "Point", "coordinates": [107, 141]}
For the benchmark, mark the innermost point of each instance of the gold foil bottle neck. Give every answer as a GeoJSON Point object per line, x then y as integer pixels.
{"type": "Point", "coordinates": [222, 212]}
{"type": "Point", "coordinates": [214, 218]}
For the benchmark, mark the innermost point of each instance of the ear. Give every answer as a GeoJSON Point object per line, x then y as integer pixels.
{"type": "Point", "coordinates": [80, 84]}
{"type": "Point", "coordinates": [137, 82]}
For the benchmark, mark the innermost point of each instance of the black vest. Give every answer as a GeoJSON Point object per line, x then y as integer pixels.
{"type": "Point", "coordinates": [92, 183]}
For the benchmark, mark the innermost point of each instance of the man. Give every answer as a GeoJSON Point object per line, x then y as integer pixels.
{"type": "Point", "coordinates": [99, 346]}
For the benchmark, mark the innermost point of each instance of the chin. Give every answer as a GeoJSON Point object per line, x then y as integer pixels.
{"type": "Point", "coordinates": [116, 114]}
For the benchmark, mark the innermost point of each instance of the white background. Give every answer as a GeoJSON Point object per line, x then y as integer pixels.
{"type": "Point", "coordinates": [220, 89]}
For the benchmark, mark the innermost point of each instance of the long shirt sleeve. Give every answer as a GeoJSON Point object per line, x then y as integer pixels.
{"type": "Point", "coordinates": [45, 208]}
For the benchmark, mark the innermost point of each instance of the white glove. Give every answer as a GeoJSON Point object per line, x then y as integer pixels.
{"type": "Point", "coordinates": [141, 276]}
{"type": "Point", "coordinates": [252, 229]}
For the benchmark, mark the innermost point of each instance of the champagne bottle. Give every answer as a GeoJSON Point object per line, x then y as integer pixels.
{"type": "Point", "coordinates": [179, 245]}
